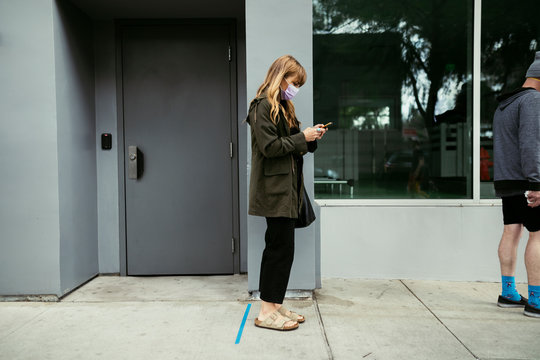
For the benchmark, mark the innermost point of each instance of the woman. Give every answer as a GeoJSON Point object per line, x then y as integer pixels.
{"type": "Point", "coordinates": [276, 186]}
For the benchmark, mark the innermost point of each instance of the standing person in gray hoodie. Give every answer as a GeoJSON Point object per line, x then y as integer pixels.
{"type": "Point", "coordinates": [516, 150]}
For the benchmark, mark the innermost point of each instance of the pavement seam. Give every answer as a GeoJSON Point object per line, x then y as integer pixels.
{"type": "Point", "coordinates": [321, 326]}
{"type": "Point", "coordinates": [21, 326]}
{"type": "Point", "coordinates": [152, 301]}
{"type": "Point", "coordinates": [439, 320]}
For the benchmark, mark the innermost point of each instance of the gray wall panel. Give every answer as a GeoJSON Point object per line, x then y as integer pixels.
{"type": "Point", "coordinates": [265, 43]}
{"type": "Point", "coordinates": [73, 47]}
{"type": "Point", "coordinates": [29, 214]}
{"type": "Point", "coordinates": [107, 171]}
{"type": "Point", "coordinates": [242, 142]}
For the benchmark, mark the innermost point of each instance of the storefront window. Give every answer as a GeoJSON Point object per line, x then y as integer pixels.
{"type": "Point", "coordinates": [510, 38]}
{"type": "Point", "coordinates": [395, 79]}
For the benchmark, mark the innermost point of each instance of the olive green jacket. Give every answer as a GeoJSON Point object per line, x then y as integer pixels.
{"type": "Point", "coordinates": [273, 185]}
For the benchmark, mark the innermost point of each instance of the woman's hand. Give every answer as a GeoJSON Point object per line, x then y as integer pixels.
{"type": "Point", "coordinates": [314, 133]}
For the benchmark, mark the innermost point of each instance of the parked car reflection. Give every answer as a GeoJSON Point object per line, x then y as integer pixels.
{"type": "Point", "coordinates": [398, 165]}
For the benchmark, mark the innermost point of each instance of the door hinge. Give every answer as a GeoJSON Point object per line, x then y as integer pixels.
{"type": "Point", "coordinates": [232, 248]}
{"type": "Point", "coordinates": [231, 149]}
{"type": "Point", "coordinates": [230, 53]}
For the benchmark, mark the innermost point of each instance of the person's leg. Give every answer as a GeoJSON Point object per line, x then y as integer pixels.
{"type": "Point", "coordinates": [507, 259]}
{"type": "Point", "coordinates": [532, 258]}
{"type": "Point", "coordinates": [532, 263]}
{"type": "Point", "coordinates": [276, 264]}
{"type": "Point", "coordinates": [514, 209]}
{"type": "Point", "coordinates": [508, 248]}
{"type": "Point", "coordinates": [265, 277]}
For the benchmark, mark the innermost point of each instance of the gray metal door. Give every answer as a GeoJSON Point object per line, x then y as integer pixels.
{"type": "Point", "coordinates": [177, 123]}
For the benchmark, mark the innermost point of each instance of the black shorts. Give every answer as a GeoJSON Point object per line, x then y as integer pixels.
{"type": "Point", "coordinates": [516, 211]}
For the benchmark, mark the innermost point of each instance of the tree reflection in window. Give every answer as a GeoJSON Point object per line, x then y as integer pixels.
{"type": "Point", "coordinates": [395, 76]}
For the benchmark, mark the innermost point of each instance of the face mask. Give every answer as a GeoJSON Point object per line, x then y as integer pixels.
{"type": "Point", "coordinates": [289, 93]}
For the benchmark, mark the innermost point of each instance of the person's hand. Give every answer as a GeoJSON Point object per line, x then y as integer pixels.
{"type": "Point", "coordinates": [321, 130]}
{"type": "Point", "coordinates": [533, 198]}
{"type": "Point", "coordinates": [314, 133]}
{"type": "Point", "coordinates": [311, 134]}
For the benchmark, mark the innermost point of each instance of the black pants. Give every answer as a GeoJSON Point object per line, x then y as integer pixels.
{"type": "Point", "coordinates": [277, 259]}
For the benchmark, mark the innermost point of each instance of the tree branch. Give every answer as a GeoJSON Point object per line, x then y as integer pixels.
{"type": "Point", "coordinates": [412, 51]}
{"type": "Point", "coordinates": [415, 92]}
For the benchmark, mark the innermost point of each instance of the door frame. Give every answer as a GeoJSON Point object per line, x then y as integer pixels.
{"type": "Point", "coordinates": [120, 25]}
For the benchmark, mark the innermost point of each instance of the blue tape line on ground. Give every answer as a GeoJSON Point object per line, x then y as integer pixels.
{"type": "Point", "coordinates": [243, 323]}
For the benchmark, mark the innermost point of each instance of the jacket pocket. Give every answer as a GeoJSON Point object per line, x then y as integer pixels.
{"type": "Point", "coordinates": [276, 166]}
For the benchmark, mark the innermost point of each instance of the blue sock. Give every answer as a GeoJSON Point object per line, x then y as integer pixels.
{"type": "Point", "coordinates": [534, 296]}
{"type": "Point", "coordinates": [509, 288]}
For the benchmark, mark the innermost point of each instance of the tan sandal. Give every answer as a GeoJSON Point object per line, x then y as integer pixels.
{"type": "Point", "coordinates": [291, 314]}
{"type": "Point", "coordinates": [275, 322]}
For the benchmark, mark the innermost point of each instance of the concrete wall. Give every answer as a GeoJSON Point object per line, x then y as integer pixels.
{"type": "Point", "coordinates": [29, 210]}
{"type": "Point", "coordinates": [264, 44]}
{"type": "Point", "coordinates": [414, 242]}
{"type": "Point", "coordinates": [73, 45]}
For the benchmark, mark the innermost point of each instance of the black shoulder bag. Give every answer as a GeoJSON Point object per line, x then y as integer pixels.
{"type": "Point", "coordinates": [306, 215]}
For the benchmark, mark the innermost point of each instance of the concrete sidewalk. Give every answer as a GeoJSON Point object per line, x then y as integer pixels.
{"type": "Point", "coordinates": [199, 318]}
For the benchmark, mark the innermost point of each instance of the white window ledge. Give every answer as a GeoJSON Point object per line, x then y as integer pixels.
{"type": "Point", "coordinates": [407, 202]}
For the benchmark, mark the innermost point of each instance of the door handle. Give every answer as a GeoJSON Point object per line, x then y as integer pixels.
{"type": "Point", "coordinates": [133, 162]}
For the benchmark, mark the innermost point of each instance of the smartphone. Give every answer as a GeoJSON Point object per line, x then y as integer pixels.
{"type": "Point", "coordinates": [327, 125]}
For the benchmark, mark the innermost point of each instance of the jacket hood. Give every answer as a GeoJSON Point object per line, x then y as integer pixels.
{"type": "Point", "coordinates": [508, 98]}
{"type": "Point", "coordinates": [253, 107]}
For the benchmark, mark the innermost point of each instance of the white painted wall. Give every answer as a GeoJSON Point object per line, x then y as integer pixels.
{"type": "Point", "coordinates": [273, 29]}
{"type": "Point", "coordinates": [29, 209]}
{"type": "Point", "coordinates": [414, 242]}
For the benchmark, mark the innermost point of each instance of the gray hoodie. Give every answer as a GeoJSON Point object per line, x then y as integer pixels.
{"type": "Point", "coordinates": [516, 142]}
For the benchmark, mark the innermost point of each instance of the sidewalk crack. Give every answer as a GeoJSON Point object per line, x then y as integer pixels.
{"type": "Point", "coordinates": [439, 320]}
{"type": "Point", "coordinates": [321, 326]}
{"type": "Point", "coordinates": [23, 325]}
